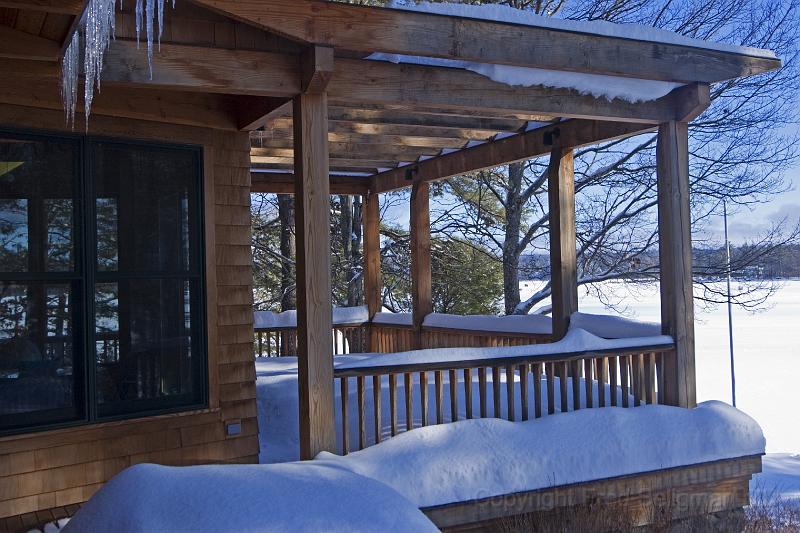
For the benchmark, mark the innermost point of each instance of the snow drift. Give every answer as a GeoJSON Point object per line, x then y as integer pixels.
{"type": "Point", "coordinates": [482, 458]}
{"type": "Point", "coordinates": [295, 497]}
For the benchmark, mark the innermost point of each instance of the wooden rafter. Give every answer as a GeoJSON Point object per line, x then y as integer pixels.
{"type": "Point", "coordinates": [374, 29]}
{"type": "Point", "coordinates": [16, 44]}
{"type": "Point", "coordinates": [283, 139]}
{"type": "Point", "coordinates": [64, 7]}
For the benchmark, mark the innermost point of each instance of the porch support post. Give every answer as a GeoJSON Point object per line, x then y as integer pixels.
{"type": "Point", "coordinates": [675, 254]}
{"type": "Point", "coordinates": [372, 257]}
{"type": "Point", "coordinates": [563, 270]}
{"type": "Point", "coordinates": [421, 299]}
{"type": "Point", "coordinates": [314, 322]}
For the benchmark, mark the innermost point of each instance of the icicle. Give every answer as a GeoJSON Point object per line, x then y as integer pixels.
{"type": "Point", "coordinates": [98, 28]}
{"type": "Point", "coordinates": [70, 70]}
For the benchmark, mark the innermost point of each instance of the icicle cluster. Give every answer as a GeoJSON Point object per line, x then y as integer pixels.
{"type": "Point", "coordinates": [97, 29]}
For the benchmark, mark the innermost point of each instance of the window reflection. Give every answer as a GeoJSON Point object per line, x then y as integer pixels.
{"type": "Point", "coordinates": [36, 347]}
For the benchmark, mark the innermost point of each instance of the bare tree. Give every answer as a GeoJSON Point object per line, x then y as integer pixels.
{"type": "Point", "coordinates": [740, 149]}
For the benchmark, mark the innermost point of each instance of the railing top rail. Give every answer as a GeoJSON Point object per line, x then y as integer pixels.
{"type": "Point", "coordinates": [351, 370]}
{"type": "Point", "coordinates": [293, 327]}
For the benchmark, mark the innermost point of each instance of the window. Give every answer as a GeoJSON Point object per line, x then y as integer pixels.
{"type": "Point", "coordinates": [101, 283]}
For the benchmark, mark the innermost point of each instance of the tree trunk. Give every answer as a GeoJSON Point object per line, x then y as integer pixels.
{"type": "Point", "coordinates": [511, 245]}
{"type": "Point", "coordinates": [286, 215]}
{"type": "Point", "coordinates": [355, 287]}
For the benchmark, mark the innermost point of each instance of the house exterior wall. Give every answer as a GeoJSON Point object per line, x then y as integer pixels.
{"type": "Point", "coordinates": [55, 468]}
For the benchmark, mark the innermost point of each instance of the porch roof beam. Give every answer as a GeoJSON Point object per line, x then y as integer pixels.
{"type": "Point", "coordinates": [375, 29]}
{"type": "Point", "coordinates": [362, 81]}
{"type": "Point", "coordinates": [538, 142]}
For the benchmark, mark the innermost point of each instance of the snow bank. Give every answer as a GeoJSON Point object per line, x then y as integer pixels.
{"type": "Point", "coordinates": [613, 327]}
{"type": "Point", "coordinates": [576, 341]}
{"type": "Point", "coordinates": [503, 13]}
{"type": "Point", "coordinates": [467, 460]}
{"type": "Point", "coordinates": [288, 319]}
{"type": "Point", "coordinates": [310, 496]}
{"type": "Point", "coordinates": [533, 324]}
{"type": "Point", "coordinates": [780, 476]}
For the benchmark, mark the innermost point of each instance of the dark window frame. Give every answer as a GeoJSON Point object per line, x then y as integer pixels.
{"type": "Point", "coordinates": [84, 276]}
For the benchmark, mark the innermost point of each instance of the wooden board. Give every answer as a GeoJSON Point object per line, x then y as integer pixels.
{"type": "Point", "coordinates": [724, 484]}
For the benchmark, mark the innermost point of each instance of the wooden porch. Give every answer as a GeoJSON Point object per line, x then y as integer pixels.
{"type": "Point", "coordinates": [325, 119]}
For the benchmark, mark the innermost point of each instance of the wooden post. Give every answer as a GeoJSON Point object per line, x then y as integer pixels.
{"type": "Point", "coordinates": [422, 304]}
{"type": "Point", "coordinates": [675, 253]}
{"type": "Point", "coordinates": [314, 324]}
{"type": "Point", "coordinates": [372, 259]}
{"type": "Point", "coordinates": [563, 270]}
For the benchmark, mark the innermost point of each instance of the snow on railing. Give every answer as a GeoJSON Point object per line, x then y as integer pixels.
{"type": "Point", "coordinates": [580, 371]}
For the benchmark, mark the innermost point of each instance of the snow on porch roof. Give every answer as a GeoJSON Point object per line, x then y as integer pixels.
{"type": "Point", "coordinates": [511, 15]}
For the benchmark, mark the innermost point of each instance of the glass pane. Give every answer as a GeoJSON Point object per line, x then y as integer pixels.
{"type": "Point", "coordinates": [146, 197]}
{"type": "Point", "coordinates": [144, 354]}
{"type": "Point", "coordinates": [37, 184]}
{"type": "Point", "coordinates": [36, 349]}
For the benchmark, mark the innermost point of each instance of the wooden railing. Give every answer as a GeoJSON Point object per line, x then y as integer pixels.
{"type": "Point", "coordinates": [282, 341]}
{"type": "Point", "coordinates": [388, 338]}
{"type": "Point", "coordinates": [515, 388]}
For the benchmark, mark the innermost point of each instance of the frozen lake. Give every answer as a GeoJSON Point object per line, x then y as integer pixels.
{"type": "Point", "coordinates": [767, 350]}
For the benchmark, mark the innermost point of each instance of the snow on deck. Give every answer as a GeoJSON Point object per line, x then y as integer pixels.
{"type": "Point", "coordinates": [297, 497]}
{"type": "Point", "coordinates": [482, 458]}
{"type": "Point", "coordinates": [529, 324]}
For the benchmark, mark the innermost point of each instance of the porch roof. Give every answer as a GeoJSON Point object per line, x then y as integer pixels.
{"type": "Point", "coordinates": [390, 124]}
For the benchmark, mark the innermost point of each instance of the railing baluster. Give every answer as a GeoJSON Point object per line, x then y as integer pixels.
{"type": "Point", "coordinates": [564, 368]}
{"type": "Point", "coordinates": [393, 402]}
{"type": "Point", "coordinates": [468, 392]}
{"type": "Point", "coordinates": [362, 415]}
{"type": "Point", "coordinates": [589, 382]}
{"type": "Point", "coordinates": [602, 380]}
{"type": "Point", "coordinates": [376, 403]}
{"type": "Point", "coordinates": [637, 369]}
{"type": "Point", "coordinates": [660, 376]}
{"type": "Point", "coordinates": [496, 392]}
{"type": "Point", "coordinates": [437, 376]}
{"type": "Point", "coordinates": [423, 396]}
{"type": "Point", "coordinates": [537, 390]}
{"type": "Point", "coordinates": [453, 395]}
{"type": "Point", "coordinates": [260, 343]}
{"type": "Point", "coordinates": [510, 401]}
{"type": "Point", "coordinates": [650, 378]}
{"type": "Point", "coordinates": [623, 373]}
{"type": "Point", "coordinates": [482, 390]}
{"type": "Point", "coordinates": [523, 390]}
{"type": "Point", "coordinates": [612, 379]}
{"type": "Point", "coordinates": [343, 382]}
{"type": "Point", "coordinates": [576, 384]}
{"type": "Point", "coordinates": [551, 388]}
{"type": "Point", "coordinates": [408, 384]}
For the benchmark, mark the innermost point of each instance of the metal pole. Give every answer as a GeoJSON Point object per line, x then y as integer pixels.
{"type": "Point", "coordinates": [730, 305]}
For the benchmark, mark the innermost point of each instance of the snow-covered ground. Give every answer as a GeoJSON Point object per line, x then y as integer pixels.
{"type": "Point", "coordinates": [766, 346]}
{"type": "Point", "coordinates": [767, 351]}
